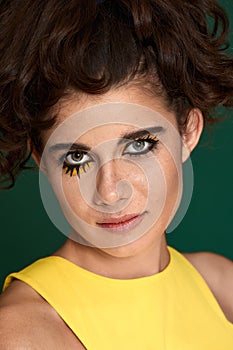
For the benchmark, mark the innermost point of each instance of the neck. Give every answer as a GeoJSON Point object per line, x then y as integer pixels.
{"type": "Point", "coordinates": [127, 262]}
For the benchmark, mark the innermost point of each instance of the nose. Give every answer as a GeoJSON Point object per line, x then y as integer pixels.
{"type": "Point", "coordinates": [108, 189]}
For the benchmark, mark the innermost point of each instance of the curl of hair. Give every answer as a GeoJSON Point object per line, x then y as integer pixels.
{"type": "Point", "coordinates": [51, 48]}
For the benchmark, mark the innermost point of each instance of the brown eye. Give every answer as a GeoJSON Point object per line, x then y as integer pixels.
{"type": "Point", "coordinates": [77, 162]}
{"type": "Point", "coordinates": [76, 158]}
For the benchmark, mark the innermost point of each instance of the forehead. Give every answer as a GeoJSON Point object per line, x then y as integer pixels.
{"type": "Point", "coordinates": [109, 115]}
{"type": "Point", "coordinates": [104, 122]}
{"type": "Point", "coordinates": [105, 132]}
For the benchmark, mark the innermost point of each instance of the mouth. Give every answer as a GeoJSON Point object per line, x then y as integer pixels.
{"type": "Point", "coordinates": [121, 224]}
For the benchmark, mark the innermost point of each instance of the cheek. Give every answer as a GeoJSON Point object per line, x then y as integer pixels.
{"type": "Point", "coordinates": [72, 193]}
{"type": "Point", "coordinates": [134, 175]}
{"type": "Point", "coordinates": [153, 182]}
{"type": "Point", "coordinates": [137, 178]}
{"type": "Point", "coordinates": [172, 169]}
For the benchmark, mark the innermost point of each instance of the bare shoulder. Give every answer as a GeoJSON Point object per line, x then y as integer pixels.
{"type": "Point", "coordinates": [27, 321]}
{"type": "Point", "coordinates": [217, 271]}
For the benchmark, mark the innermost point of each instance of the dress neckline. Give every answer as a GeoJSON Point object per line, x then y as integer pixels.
{"type": "Point", "coordinates": [101, 278]}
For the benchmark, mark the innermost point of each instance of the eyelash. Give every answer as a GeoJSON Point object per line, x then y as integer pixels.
{"type": "Point", "coordinates": [150, 139]}
{"type": "Point", "coordinates": [78, 168]}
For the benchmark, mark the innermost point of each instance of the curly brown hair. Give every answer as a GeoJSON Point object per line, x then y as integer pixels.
{"type": "Point", "coordinates": [53, 48]}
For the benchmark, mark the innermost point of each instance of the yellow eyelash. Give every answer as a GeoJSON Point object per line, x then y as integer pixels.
{"type": "Point", "coordinates": [74, 173]}
{"type": "Point", "coordinates": [147, 137]}
{"type": "Point", "coordinates": [68, 170]}
{"type": "Point", "coordinates": [80, 171]}
{"type": "Point", "coordinates": [77, 171]}
{"type": "Point", "coordinates": [87, 166]}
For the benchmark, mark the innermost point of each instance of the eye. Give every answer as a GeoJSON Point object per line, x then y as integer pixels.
{"type": "Point", "coordinates": [141, 145]}
{"type": "Point", "coordinates": [75, 163]}
{"type": "Point", "coordinates": [75, 157]}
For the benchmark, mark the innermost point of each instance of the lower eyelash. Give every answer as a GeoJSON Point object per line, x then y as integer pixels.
{"type": "Point", "coordinates": [75, 170]}
{"type": "Point", "coordinates": [71, 170]}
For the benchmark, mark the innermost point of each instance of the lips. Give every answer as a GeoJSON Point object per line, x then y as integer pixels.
{"type": "Point", "coordinates": [117, 220]}
{"type": "Point", "coordinates": [121, 224]}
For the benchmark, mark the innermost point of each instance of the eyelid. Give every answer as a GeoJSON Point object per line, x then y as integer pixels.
{"type": "Point", "coordinates": [153, 139]}
{"type": "Point", "coordinates": [84, 153]}
{"type": "Point", "coordinates": [146, 137]}
{"type": "Point", "coordinates": [78, 167]}
{"type": "Point", "coordinates": [63, 157]}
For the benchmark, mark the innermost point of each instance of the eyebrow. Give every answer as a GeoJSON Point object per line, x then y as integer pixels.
{"type": "Point", "coordinates": [140, 133]}
{"type": "Point", "coordinates": [123, 137]}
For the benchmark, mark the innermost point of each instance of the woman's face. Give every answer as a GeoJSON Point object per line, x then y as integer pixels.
{"type": "Point", "coordinates": [115, 164]}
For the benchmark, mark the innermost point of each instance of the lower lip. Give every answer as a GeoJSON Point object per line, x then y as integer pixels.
{"type": "Point", "coordinates": [123, 226]}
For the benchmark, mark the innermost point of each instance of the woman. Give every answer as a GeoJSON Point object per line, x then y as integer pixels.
{"type": "Point", "coordinates": [110, 98]}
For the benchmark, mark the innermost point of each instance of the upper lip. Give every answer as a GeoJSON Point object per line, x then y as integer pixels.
{"type": "Point", "coordinates": [119, 219]}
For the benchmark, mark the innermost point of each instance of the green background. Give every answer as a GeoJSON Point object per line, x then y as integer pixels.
{"type": "Point", "coordinates": [28, 234]}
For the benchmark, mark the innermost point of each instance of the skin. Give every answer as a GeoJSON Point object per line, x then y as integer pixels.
{"type": "Point", "coordinates": [34, 323]}
{"type": "Point", "coordinates": [149, 254]}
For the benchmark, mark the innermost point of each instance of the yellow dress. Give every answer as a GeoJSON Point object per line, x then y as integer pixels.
{"type": "Point", "coordinates": [171, 310]}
